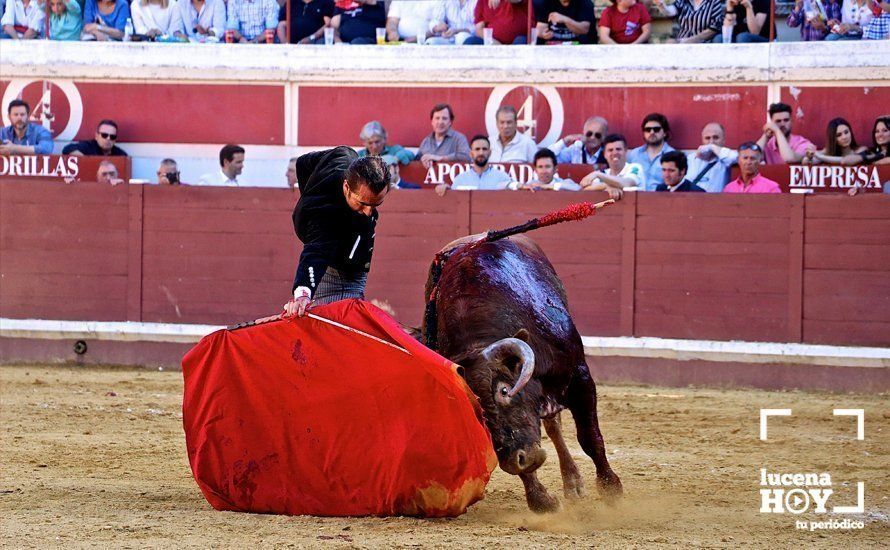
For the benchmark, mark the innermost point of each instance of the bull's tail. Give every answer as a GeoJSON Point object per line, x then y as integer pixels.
{"type": "Point", "coordinates": [572, 212]}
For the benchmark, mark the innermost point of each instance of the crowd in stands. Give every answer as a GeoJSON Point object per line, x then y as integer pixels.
{"type": "Point", "coordinates": [614, 167]}
{"type": "Point", "coordinates": [440, 22]}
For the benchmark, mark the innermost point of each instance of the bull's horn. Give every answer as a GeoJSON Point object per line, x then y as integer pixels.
{"type": "Point", "coordinates": [515, 347]}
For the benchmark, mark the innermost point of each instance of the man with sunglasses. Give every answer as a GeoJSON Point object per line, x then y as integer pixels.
{"type": "Point", "coordinates": [586, 147]}
{"type": "Point", "coordinates": [103, 145]}
{"type": "Point", "coordinates": [656, 133]}
{"type": "Point", "coordinates": [335, 219]}
{"type": "Point", "coordinates": [750, 180]}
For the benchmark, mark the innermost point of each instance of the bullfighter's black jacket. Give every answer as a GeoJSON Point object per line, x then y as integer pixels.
{"type": "Point", "coordinates": [333, 235]}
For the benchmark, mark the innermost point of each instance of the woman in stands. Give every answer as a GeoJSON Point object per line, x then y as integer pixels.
{"type": "Point", "coordinates": [105, 19]}
{"type": "Point", "coordinates": [839, 143]}
{"type": "Point", "coordinates": [155, 18]}
{"type": "Point", "coordinates": [65, 20]}
{"type": "Point", "coordinates": [698, 20]}
{"type": "Point", "coordinates": [855, 15]}
{"type": "Point", "coordinates": [879, 154]}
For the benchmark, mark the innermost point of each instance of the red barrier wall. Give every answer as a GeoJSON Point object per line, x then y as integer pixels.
{"type": "Point", "coordinates": [764, 268]}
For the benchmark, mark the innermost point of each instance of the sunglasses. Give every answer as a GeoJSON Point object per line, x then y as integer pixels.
{"type": "Point", "coordinates": [597, 135]}
{"type": "Point", "coordinates": [112, 137]}
{"type": "Point", "coordinates": [752, 147]}
{"type": "Point", "coordinates": [652, 129]}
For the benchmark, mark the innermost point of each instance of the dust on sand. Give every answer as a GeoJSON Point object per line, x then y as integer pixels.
{"type": "Point", "coordinates": [96, 457]}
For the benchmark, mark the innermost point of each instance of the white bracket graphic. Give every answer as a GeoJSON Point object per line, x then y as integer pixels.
{"type": "Point", "coordinates": [766, 413]}
{"type": "Point", "coordinates": [860, 420]}
{"type": "Point", "coordinates": [860, 502]}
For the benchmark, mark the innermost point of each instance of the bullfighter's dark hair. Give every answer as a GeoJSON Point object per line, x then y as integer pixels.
{"type": "Point", "coordinates": [678, 158]}
{"type": "Point", "coordinates": [18, 103]}
{"type": "Point", "coordinates": [106, 122]}
{"type": "Point", "coordinates": [370, 171]}
{"type": "Point", "coordinates": [228, 152]}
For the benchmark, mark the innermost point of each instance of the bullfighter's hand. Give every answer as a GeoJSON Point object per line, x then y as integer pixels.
{"type": "Point", "coordinates": [296, 307]}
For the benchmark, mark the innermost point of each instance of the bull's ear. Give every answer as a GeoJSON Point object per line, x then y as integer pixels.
{"type": "Point", "coordinates": [523, 335]}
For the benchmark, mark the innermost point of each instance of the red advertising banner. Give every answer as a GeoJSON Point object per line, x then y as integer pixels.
{"type": "Point", "coordinates": [160, 112]}
{"type": "Point", "coordinates": [58, 167]}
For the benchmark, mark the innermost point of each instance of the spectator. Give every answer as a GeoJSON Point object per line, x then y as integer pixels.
{"type": "Point", "coordinates": [855, 15]}
{"type": "Point", "coordinates": [168, 173]}
{"type": "Point", "coordinates": [879, 26]}
{"type": "Point", "coordinates": [779, 145]}
{"type": "Point", "coordinates": [750, 180]}
{"type": "Point", "coordinates": [373, 135]}
{"type": "Point", "coordinates": [356, 21]}
{"type": "Point", "coordinates": [105, 19]}
{"type": "Point", "coordinates": [586, 147]}
{"type": "Point", "coordinates": [251, 18]}
{"type": "Point", "coordinates": [697, 20]}
{"type": "Point", "coordinates": [107, 173]}
{"type": "Point", "coordinates": [566, 21]}
{"type": "Point", "coordinates": [481, 175]}
{"type": "Point", "coordinates": [308, 19]}
{"type": "Point", "coordinates": [291, 175]}
{"type": "Point", "coordinates": [510, 145]}
{"type": "Point", "coordinates": [815, 18]}
{"type": "Point", "coordinates": [395, 178]}
{"type": "Point", "coordinates": [66, 20]}
{"type": "Point", "coordinates": [453, 22]}
{"type": "Point", "coordinates": [101, 145]}
{"type": "Point", "coordinates": [409, 20]}
{"type": "Point", "coordinates": [22, 137]}
{"type": "Point", "coordinates": [839, 142]}
{"type": "Point", "coordinates": [620, 173]}
{"type": "Point", "coordinates": [711, 163]}
{"type": "Point", "coordinates": [879, 154]}
{"type": "Point", "coordinates": [444, 143]}
{"type": "Point", "coordinates": [656, 132]}
{"type": "Point", "coordinates": [625, 22]}
{"type": "Point", "coordinates": [750, 20]}
{"type": "Point", "coordinates": [673, 174]}
{"type": "Point", "coordinates": [154, 18]}
{"type": "Point", "coordinates": [231, 162]}
{"type": "Point", "coordinates": [200, 19]}
{"type": "Point", "coordinates": [545, 175]}
{"type": "Point", "coordinates": [508, 20]}
{"type": "Point", "coordinates": [23, 19]}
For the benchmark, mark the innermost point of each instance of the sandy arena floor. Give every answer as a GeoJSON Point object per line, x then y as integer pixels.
{"type": "Point", "coordinates": [96, 457]}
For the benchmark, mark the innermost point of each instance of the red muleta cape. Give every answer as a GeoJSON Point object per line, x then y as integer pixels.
{"type": "Point", "coordinates": [301, 417]}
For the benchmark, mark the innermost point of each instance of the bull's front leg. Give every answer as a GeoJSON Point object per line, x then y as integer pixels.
{"type": "Point", "coordinates": [581, 398]}
{"type": "Point", "coordinates": [536, 495]}
{"type": "Point", "coordinates": [572, 483]}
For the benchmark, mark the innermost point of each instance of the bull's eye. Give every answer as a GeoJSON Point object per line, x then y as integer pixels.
{"type": "Point", "coordinates": [504, 391]}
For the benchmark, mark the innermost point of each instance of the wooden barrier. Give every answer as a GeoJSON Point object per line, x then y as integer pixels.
{"type": "Point", "coordinates": [787, 268]}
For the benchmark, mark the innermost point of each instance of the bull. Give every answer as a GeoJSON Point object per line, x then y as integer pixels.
{"type": "Point", "coordinates": [501, 313]}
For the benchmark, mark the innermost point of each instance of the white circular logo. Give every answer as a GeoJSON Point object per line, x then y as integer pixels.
{"type": "Point", "coordinates": [524, 114]}
{"type": "Point", "coordinates": [797, 501]}
{"type": "Point", "coordinates": [75, 118]}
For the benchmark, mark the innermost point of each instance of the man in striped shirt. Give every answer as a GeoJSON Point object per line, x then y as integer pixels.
{"type": "Point", "coordinates": [698, 20]}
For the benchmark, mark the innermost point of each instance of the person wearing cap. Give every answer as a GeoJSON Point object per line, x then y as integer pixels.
{"type": "Point", "coordinates": [395, 179]}
{"type": "Point", "coordinates": [750, 180]}
{"type": "Point", "coordinates": [336, 220]}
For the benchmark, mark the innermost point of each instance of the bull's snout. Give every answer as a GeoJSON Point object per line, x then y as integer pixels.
{"type": "Point", "coordinates": [525, 460]}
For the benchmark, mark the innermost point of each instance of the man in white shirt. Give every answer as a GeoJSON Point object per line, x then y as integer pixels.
{"type": "Point", "coordinates": [710, 164]}
{"type": "Point", "coordinates": [409, 20]}
{"type": "Point", "coordinates": [23, 19]}
{"type": "Point", "coordinates": [620, 175]}
{"type": "Point", "coordinates": [231, 162]}
{"type": "Point", "coordinates": [510, 145]}
{"type": "Point", "coordinates": [546, 176]}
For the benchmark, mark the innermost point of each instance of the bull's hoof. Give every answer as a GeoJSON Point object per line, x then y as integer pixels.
{"type": "Point", "coordinates": [609, 486]}
{"type": "Point", "coordinates": [574, 488]}
{"type": "Point", "coordinates": [543, 503]}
